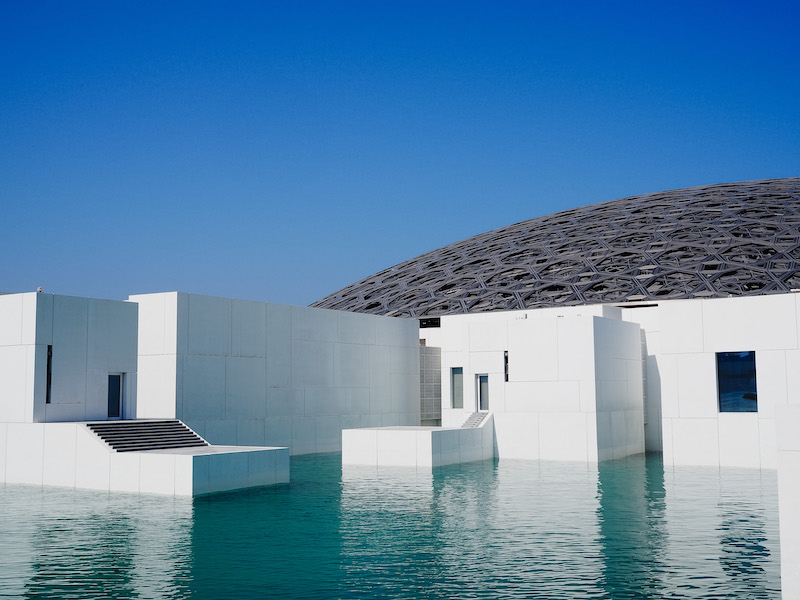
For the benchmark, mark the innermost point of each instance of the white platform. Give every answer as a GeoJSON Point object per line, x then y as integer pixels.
{"type": "Point", "coordinates": [70, 455]}
{"type": "Point", "coordinates": [789, 497]}
{"type": "Point", "coordinates": [417, 446]}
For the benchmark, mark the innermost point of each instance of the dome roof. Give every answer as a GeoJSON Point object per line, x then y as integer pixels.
{"type": "Point", "coordinates": [732, 239]}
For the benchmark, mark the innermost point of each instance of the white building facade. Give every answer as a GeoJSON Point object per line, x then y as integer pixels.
{"type": "Point", "coordinates": [64, 358]}
{"type": "Point", "coordinates": [561, 384]}
{"type": "Point", "coordinates": [254, 373]}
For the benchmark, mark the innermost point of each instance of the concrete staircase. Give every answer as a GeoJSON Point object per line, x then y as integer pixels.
{"type": "Point", "coordinates": [474, 420]}
{"type": "Point", "coordinates": [138, 436]}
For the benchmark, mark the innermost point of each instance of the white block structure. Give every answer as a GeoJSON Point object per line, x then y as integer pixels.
{"type": "Point", "coordinates": [70, 455]}
{"type": "Point", "coordinates": [65, 361]}
{"type": "Point", "coordinates": [254, 373]}
{"type": "Point", "coordinates": [562, 384]}
{"type": "Point", "coordinates": [420, 447]}
{"type": "Point", "coordinates": [683, 338]}
{"type": "Point", "coordinates": [58, 355]}
{"type": "Point", "coordinates": [789, 497]}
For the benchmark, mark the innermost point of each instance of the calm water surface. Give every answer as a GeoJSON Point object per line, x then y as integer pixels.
{"type": "Point", "coordinates": [513, 529]}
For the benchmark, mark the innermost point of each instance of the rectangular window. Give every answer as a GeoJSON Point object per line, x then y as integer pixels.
{"type": "Point", "coordinates": [736, 382]}
{"type": "Point", "coordinates": [49, 373]}
{"type": "Point", "coordinates": [457, 387]}
{"type": "Point", "coordinates": [114, 396]}
{"type": "Point", "coordinates": [483, 392]}
{"type": "Point", "coordinates": [505, 363]}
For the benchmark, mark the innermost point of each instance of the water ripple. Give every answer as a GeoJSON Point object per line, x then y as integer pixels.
{"type": "Point", "coordinates": [514, 529]}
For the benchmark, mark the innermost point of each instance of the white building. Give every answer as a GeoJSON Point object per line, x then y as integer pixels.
{"type": "Point", "coordinates": [60, 356]}
{"type": "Point", "coordinates": [253, 380]}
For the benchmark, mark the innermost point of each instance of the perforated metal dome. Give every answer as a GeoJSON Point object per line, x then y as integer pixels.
{"type": "Point", "coordinates": [730, 239]}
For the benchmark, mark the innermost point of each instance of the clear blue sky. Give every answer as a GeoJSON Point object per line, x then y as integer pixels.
{"type": "Point", "coordinates": [279, 151]}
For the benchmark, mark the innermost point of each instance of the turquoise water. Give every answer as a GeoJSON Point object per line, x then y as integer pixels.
{"type": "Point", "coordinates": [513, 529]}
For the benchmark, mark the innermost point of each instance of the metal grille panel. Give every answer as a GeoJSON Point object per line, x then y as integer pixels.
{"type": "Point", "coordinates": [732, 239]}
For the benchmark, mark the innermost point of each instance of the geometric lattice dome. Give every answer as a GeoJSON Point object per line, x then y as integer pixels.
{"type": "Point", "coordinates": [732, 239]}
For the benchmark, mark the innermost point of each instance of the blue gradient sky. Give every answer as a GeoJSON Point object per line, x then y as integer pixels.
{"type": "Point", "coordinates": [280, 151]}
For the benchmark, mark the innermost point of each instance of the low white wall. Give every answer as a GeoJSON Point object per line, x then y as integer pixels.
{"type": "Point", "coordinates": [69, 455]}
{"type": "Point", "coordinates": [252, 373]}
{"type": "Point", "coordinates": [788, 443]}
{"type": "Point", "coordinates": [90, 338]}
{"type": "Point", "coordinates": [682, 342]}
{"type": "Point", "coordinates": [422, 447]}
{"type": "Point", "coordinates": [574, 389]}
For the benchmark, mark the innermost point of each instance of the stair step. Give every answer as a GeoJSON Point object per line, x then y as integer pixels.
{"type": "Point", "coordinates": [474, 420]}
{"type": "Point", "coordinates": [130, 436]}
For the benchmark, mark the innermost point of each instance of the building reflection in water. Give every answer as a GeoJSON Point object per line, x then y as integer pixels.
{"type": "Point", "coordinates": [77, 544]}
{"type": "Point", "coordinates": [511, 529]}
{"type": "Point", "coordinates": [471, 529]}
{"type": "Point", "coordinates": [632, 527]}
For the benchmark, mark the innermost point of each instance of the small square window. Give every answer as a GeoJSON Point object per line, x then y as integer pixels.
{"type": "Point", "coordinates": [736, 382]}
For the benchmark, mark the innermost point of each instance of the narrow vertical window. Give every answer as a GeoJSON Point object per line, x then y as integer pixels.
{"type": "Point", "coordinates": [483, 392]}
{"type": "Point", "coordinates": [736, 382]}
{"type": "Point", "coordinates": [505, 363]}
{"type": "Point", "coordinates": [114, 396]}
{"type": "Point", "coordinates": [457, 387]}
{"type": "Point", "coordinates": [49, 373]}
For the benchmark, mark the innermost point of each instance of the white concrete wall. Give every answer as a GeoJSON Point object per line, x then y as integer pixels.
{"type": "Point", "coordinates": [648, 319]}
{"type": "Point", "coordinates": [574, 374]}
{"type": "Point", "coordinates": [420, 447]}
{"type": "Point", "coordinates": [788, 443]}
{"type": "Point", "coordinates": [252, 373]}
{"type": "Point", "coordinates": [618, 388]}
{"type": "Point", "coordinates": [681, 368]}
{"type": "Point", "coordinates": [91, 338]}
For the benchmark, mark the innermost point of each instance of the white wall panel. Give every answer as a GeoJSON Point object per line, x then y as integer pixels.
{"type": "Point", "coordinates": [739, 444]}
{"type": "Point", "coordinates": [681, 326]}
{"type": "Point", "coordinates": [697, 385]}
{"type": "Point", "coordinates": [156, 387]}
{"type": "Point", "coordinates": [351, 365]}
{"type": "Point", "coordinates": [24, 453]}
{"type": "Point", "coordinates": [250, 432]}
{"type": "Point", "coordinates": [245, 388]}
{"type": "Point", "coordinates": [576, 357]}
{"type": "Point", "coordinates": [312, 364]}
{"type": "Point", "coordinates": [248, 328]}
{"type": "Point", "coordinates": [314, 324]}
{"type": "Point", "coordinates": [729, 324]}
{"type": "Point", "coordinates": [112, 336]}
{"type": "Point", "coordinates": [153, 325]}
{"type": "Point", "coordinates": [487, 336]}
{"type": "Point", "coordinates": [564, 436]}
{"type": "Point", "coordinates": [13, 383]}
{"type": "Point", "coordinates": [70, 333]}
{"type": "Point", "coordinates": [771, 381]}
{"type": "Point", "coordinates": [531, 345]}
{"type": "Point", "coordinates": [695, 442]}
{"type": "Point", "coordinates": [208, 325]}
{"type": "Point", "coordinates": [325, 401]}
{"type": "Point", "coordinates": [221, 432]}
{"type": "Point", "coordinates": [157, 474]}
{"type": "Point", "coordinates": [286, 402]}
{"type": "Point", "coordinates": [125, 471]}
{"type": "Point", "coordinates": [355, 328]}
{"type": "Point", "coordinates": [203, 387]}
{"type": "Point", "coordinates": [11, 319]}
{"type": "Point", "coordinates": [768, 444]}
